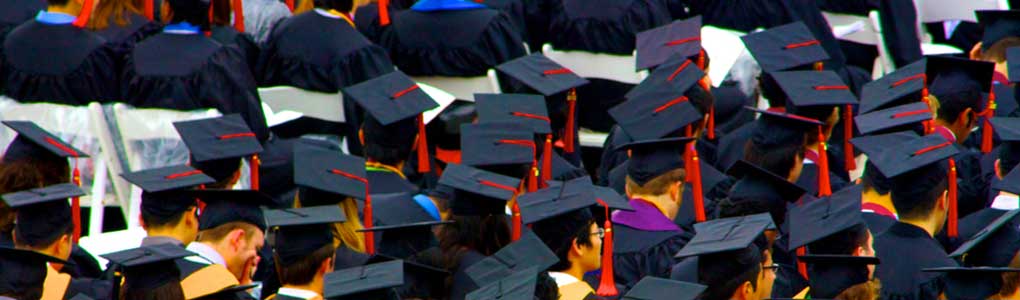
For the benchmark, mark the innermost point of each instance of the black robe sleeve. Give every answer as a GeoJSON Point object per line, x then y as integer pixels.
{"type": "Point", "coordinates": [899, 30]}
{"type": "Point", "coordinates": [229, 80]}
{"type": "Point", "coordinates": [972, 182]}
{"type": "Point", "coordinates": [582, 25]}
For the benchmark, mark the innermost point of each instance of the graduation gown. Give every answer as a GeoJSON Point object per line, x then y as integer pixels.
{"type": "Point", "coordinates": [386, 182]}
{"type": "Point", "coordinates": [191, 71]}
{"type": "Point", "coordinates": [366, 17]}
{"type": "Point", "coordinates": [59, 64]}
{"type": "Point", "coordinates": [513, 9]}
{"type": "Point", "coordinates": [15, 12]}
{"type": "Point", "coordinates": [227, 35]}
{"type": "Point", "coordinates": [85, 265]}
{"type": "Point", "coordinates": [731, 146]}
{"type": "Point", "coordinates": [611, 155]}
{"type": "Point", "coordinates": [901, 274]}
{"type": "Point", "coordinates": [460, 43]}
{"type": "Point", "coordinates": [899, 25]}
{"type": "Point", "coordinates": [122, 39]}
{"type": "Point", "coordinates": [199, 277]}
{"type": "Point", "coordinates": [646, 241]}
{"type": "Point", "coordinates": [462, 283]}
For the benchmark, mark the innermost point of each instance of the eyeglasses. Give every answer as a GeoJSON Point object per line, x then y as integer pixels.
{"type": "Point", "coordinates": [600, 233]}
{"type": "Point", "coordinates": [772, 267]}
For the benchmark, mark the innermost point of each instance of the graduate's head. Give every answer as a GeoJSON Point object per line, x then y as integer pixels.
{"type": "Point", "coordinates": [777, 143]}
{"type": "Point", "coordinates": [958, 84]}
{"type": "Point", "coordinates": [478, 210]}
{"type": "Point", "coordinates": [736, 274]}
{"type": "Point", "coordinates": [18, 176]}
{"type": "Point", "coordinates": [758, 191]}
{"type": "Point", "coordinates": [1000, 33]}
{"type": "Point", "coordinates": [226, 171]}
{"type": "Point", "coordinates": [770, 90]}
{"type": "Point", "coordinates": [170, 214]}
{"type": "Point", "coordinates": [656, 169]}
{"type": "Point", "coordinates": [574, 237]}
{"type": "Point", "coordinates": [703, 100]}
{"type": "Point", "coordinates": [873, 179]}
{"type": "Point", "coordinates": [43, 222]}
{"type": "Point", "coordinates": [338, 5]}
{"type": "Point", "coordinates": [113, 10]}
{"type": "Point", "coordinates": [238, 242]}
{"type": "Point", "coordinates": [47, 168]}
{"type": "Point", "coordinates": [303, 256]}
{"type": "Point", "coordinates": [388, 144]}
{"type": "Point", "coordinates": [195, 12]}
{"type": "Point", "coordinates": [233, 223]}
{"type": "Point", "coordinates": [920, 194]}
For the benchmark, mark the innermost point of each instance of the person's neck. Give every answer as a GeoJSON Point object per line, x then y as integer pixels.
{"type": "Point", "coordinates": [575, 270]}
{"type": "Point", "coordinates": [872, 196]}
{"type": "Point", "coordinates": [930, 225]}
{"type": "Point", "coordinates": [70, 8]}
{"type": "Point", "coordinates": [664, 203]}
{"type": "Point", "coordinates": [173, 233]}
{"type": "Point", "coordinates": [316, 285]}
{"type": "Point", "coordinates": [957, 132]}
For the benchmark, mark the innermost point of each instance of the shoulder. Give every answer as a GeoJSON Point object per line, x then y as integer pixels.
{"type": "Point", "coordinates": [629, 239]}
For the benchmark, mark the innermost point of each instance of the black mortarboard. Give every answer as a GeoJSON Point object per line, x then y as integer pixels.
{"type": "Point", "coordinates": [1009, 183]}
{"type": "Point", "coordinates": [948, 75]}
{"type": "Point", "coordinates": [610, 197]}
{"type": "Point", "coordinates": [813, 88]}
{"type": "Point", "coordinates": [873, 145]}
{"type": "Point", "coordinates": [917, 166]}
{"type": "Point", "coordinates": [478, 192]}
{"type": "Point", "coordinates": [823, 217]}
{"type": "Point", "coordinates": [218, 138]}
{"type": "Point", "coordinates": [1013, 63]}
{"type": "Point", "coordinates": [542, 74]}
{"type": "Point", "coordinates": [299, 232]}
{"type": "Point", "coordinates": [655, 46]}
{"type": "Point", "coordinates": [651, 158]}
{"type": "Point", "coordinates": [913, 154]}
{"type": "Point", "coordinates": [972, 282]}
{"type": "Point", "coordinates": [994, 246]}
{"type": "Point", "coordinates": [998, 25]}
{"type": "Point", "coordinates": [148, 267]}
{"type": "Point", "coordinates": [32, 140]}
{"type": "Point", "coordinates": [726, 234]}
{"type": "Point", "coordinates": [161, 188]}
{"type": "Point", "coordinates": [785, 47]}
{"type": "Point", "coordinates": [1008, 129]}
{"type": "Point", "coordinates": [352, 282]}
{"type": "Point", "coordinates": [777, 128]}
{"type": "Point", "coordinates": [562, 169]}
{"type": "Point", "coordinates": [497, 143]}
{"type": "Point", "coordinates": [326, 173]}
{"type": "Point", "coordinates": [525, 109]}
{"type": "Point", "coordinates": [557, 200]}
{"type": "Point", "coordinates": [658, 106]}
{"type": "Point", "coordinates": [654, 288]}
{"type": "Point", "coordinates": [420, 280]}
{"type": "Point", "coordinates": [43, 213]}
{"type": "Point", "coordinates": [228, 292]}
{"type": "Point", "coordinates": [529, 251]}
{"type": "Point", "coordinates": [905, 85]}
{"type": "Point", "coordinates": [893, 118]}
{"type": "Point", "coordinates": [225, 206]}
{"type": "Point", "coordinates": [830, 275]}
{"type": "Point", "coordinates": [396, 211]}
{"type": "Point", "coordinates": [516, 286]}
{"type": "Point", "coordinates": [23, 269]}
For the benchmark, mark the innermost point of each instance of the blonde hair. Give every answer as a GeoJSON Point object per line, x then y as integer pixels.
{"type": "Point", "coordinates": [345, 233]}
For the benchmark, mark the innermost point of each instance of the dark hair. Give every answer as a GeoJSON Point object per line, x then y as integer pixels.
{"type": "Point", "coordinates": [33, 243]}
{"type": "Point", "coordinates": [221, 170]}
{"type": "Point", "coordinates": [483, 234]}
{"type": "Point", "coordinates": [1007, 157]}
{"type": "Point", "coordinates": [303, 271]}
{"type": "Point", "coordinates": [157, 221]}
{"type": "Point", "coordinates": [559, 233]}
{"type": "Point", "coordinates": [771, 91]}
{"type": "Point", "coordinates": [959, 97]}
{"type": "Point", "coordinates": [915, 193]}
{"type": "Point", "coordinates": [820, 113]}
{"type": "Point", "coordinates": [171, 290]}
{"type": "Point", "coordinates": [57, 2]}
{"type": "Point", "coordinates": [339, 5]}
{"type": "Point", "coordinates": [843, 242]}
{"type": "Point", "coordinates": [736, 206]}
{"type": "Point", "coordinates": [875, 180]}
{"type": "Point", "coordinates": [193, 12]}
{"type": "Point", "coordinates": [724, 272]}
{"type": "Point", "coordinates": [25, 174]}
{"type": "Point", "coordinates": [778, 159]}
{"type": "Point", "coordinates": [389, 144]}
{"type": "Point", "coordinates": [546, 288]}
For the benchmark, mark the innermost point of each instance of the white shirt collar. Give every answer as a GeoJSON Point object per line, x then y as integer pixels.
{"type": "Point", "coordinates": [1006, 202]}
{"type": "Point", "coordinates": [207, 252]}
{"type": "Point", "coordinates": [562, 279]}
{"type": "Point", "coordinates": [299, 293]}
{"type": "Point", "coordinates": [324, 13]}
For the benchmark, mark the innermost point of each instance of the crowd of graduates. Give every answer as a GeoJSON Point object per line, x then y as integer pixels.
{"type": "Point", "coordinates": [808, 179]}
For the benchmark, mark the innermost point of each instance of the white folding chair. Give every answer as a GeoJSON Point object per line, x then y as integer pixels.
{"type": "Point", "coordinates": [725, 47]}
{"type": "Point", "coordinates": [113, 165]}
{"type": "Point", "coordinates": [619, 68]}
{"type": "Point", "coordinates": [862, 30]}
{"type": "Point", "coordinates": [463, 88]}
{"type": "Point", "coordinates": [323, 106]}
{"type": "Point", "coordinates": [935, 11]}
{"type": "Point", "coordinates": [154, 125]}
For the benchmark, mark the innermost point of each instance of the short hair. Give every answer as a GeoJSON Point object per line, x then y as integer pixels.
{"type": "Point", "coordinates": [997, 52]}
{"type": "Point", "coordinates": [657, 186]}
{"type": "Point", "coordinates": [724, 272]}
{"type": "Point", "coordinates": [1010, 280]}
{"type": "Point", "coordinates": [303, 270]}
{"type": "Point", "coordinates": [737, 206]}
{"type": "Point", "coordinates": [875, 180]}
{"type": "Point", "coordinates": [777, 159]}
{"type": "Point", "coordinates": [194, 12]}
{"type": "Point", "coordinates": [843, 242]}
{"type": "Point", "coordinates": [560, 232]}
{"type": "Point", "coordinates": [171, 290]}
{"type": "Point", "coordinates": [31, 243]}
{"type": "Point", "coordinates": [915, 193]}
{"type": "Point", "coordinates": [959, 97]}
{"type": "Point", "coordinates": [156, 221]}
{"type": "Point", "coordinates": [339, 5]}
{"type": "Point", "coordinates": [388, 144]}
{"type": "Point", "coordinates": [219, 233]}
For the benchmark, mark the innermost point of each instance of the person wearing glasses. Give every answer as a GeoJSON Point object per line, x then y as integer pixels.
{"type": "Point", "coordinates": [733, 258]}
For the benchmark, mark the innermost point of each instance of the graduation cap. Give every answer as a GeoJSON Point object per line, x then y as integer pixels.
{"type": "Point", "coordinates": [780, 128]}
{"type": "Point", "coordinates": [824, 217]}
{"type": "Point", "coordinates": [43, 213]}
{"type": "Point", "coordinates": [517, 286]}
{"type": "Point", "coordinates": [994, 246]}
{"type": "Point", "coordinates": [33, 142]}
{"type": "Point", "coordinates": [653, 288]}
{"type": "Point", "coordinates": [972, 282]}
{"type": "Point", "coordinates": [998, 25]}
{"type": "Point", "coordinates": [722, 235]}
{"type": "Point", "coordinates": [419, 279]}
{"type": "Point", "coordinates": [225, 206]}
{"type": "Point", "coordinates": [651, 158]}
{"type": "Point", "coordinates": [807, 89]}
{"type": "Point", "coordinates": [658, 106]}
{"type": "Point", "coordinates": [324, 170]}
{"type": "Point", "coordinates": [500, 144]}
{"type": "Point", "coordinates": [893, 118]}
{"type": "Point", "coordinates": [757, 185]}
{"type": "Point", "coordinates": [148, 267]}
{"type": "Point", "coordinates": [785, 47]}
{"type": "Point", "coordinates": [217, 144]}
{"type": "Point", "coordinates": [529, 251]}
{"type": "Point", "coordinates": [358, 282]}
{"type": "Point", "coordinates": [950, 75]}
{"type": "Point", "coordinates": [682, 38]}
{"type": "Point", "coordinates": [478, 192]}
{"type": "Point", "coordinates": [1009, 133]}
{"type": "Point", "coordinates": [389, 99]}
{"type": "Point", "coordinates": [872, 146]}
{"type": "Point", "coordinates": [562, 169]}
{"type": "Point", "coordinates": [547, 77]}
{"type": "Point", "coordinates": [1012, 61]}
{"type": "Point", "coordinates": [161, 188]}
{"type": "Point", "coordinates": [397, 211]}
{"type": "Point", "coordinates": [912, 161]}
{"type": "Point", "coordinates": [830, 275]}
{"type": "Point", "coordinates": [1009, 183]}
{"type": "Point", "coordinates": [299, 232]}
{"type": "Point", "coordinates": [905, 85]}
{"type": "Point", "coordinates": [23, 269]}
{"type": "Point", "coordinates": [525, 109]}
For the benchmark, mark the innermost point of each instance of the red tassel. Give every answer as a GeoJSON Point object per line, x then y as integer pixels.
{"type": "Point", "coordinates": [423, 147]}
{"type": "Point", "coordinates": [384, 12]}
{"type": "Point", "coordinates": [533, 181]}
{"type": "Point", "coordinates": [801, 266]}
{"type": "Point", "coordinates": [986, 128]}
{"type": "Point", "coordinates": [255, 163]}
{"type": "Point", "coordinates": [607, 284]}
{"type": "Point", "coordinates": [76, 203]}
{"type": "Point", "coordinates": [701, 59]}
{"type": "Point", "coordinates": [515, 234]}
{"type": "Point", "coordinates": [953, 231]}
{"type": "Point", "coordinates": [695, 178]}
{"type": "Point", "coordinates": [819, 66]}
{"type": "Point", "coordinates": [149, 10]}
{"type": "Point", "coordinates": [824, 190]}
{"type": "Point", "coordinates": [290, 5]}
{"type": "Point", "coordinates": [85, 15]}
{"type": "Point", "coordinates": [547, 159]}
{"type": "Point", "coordinates": [238, 8]}
{"type": "Point", "coordinates": [929, 126]}
{"type": "Point", "coordinates": [568, 135]}
{"type": "Point", "coordinates": [369, 235]}
{"type": "Point", "coordinates": [848, 133]}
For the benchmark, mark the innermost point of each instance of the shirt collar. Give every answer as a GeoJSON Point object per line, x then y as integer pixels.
{"type": "Point", "coordinates": [207, 252]}
{"type": "Point", "coordinates": [54, 18]}
{"type": "Point", "coordinates": [182, 28]}
{"type": "Point", "coordinates": [562, 279]}
{"type": "Point", "coordinates": [299, 293]}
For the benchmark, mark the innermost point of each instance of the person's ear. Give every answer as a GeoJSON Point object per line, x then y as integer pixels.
{"type": "Point", "coordinates": [325, 267]}
{"type": "Point", "coordinates": [748, 290]}
{"type": "Point", "coordinates": [361, 135]}
{"type": "Point", "coordinates": [236, 239]}
{"type": "Point", "coordinates": [575, 247]}
{"type": "Point", "coordinates": [859, 251]}
{"type": "Point", "coordinates": [626, 190]}
{"type": "Point", "coordinates": [975, 52]}
{"type": "Point", "coordinates": [944, 201]}
{"type": "Point", "coordinates": [966, 117]}
{"type": "Point", "coordinates": [998, 168]}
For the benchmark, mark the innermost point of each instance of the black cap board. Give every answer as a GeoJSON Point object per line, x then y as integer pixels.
{"type": "Point", "coordinates": [823, 217]}
{"type": "Point", "coordinates": [993, 246]}
{"type": "Point", "coordinates": [951, 74]}
{"type": "Point", "coordinates": [654, 288]}
{"type": "Point", "coordinates": [299, 232]}
{"type": "Point", "coordinates": [726, 234]}
{"type": "Point", "coordinates": [893, 118]}
{"type": "Point", "coordinates": [872, 145]}
{"type": "Point", "coordinates": [390, 98]}
{"type": "Point", "coordinates": [32, 138]}
{"type": "Point", "coordinates": [218, 138]}
{"type": "Point", "coordinates": [785, 47]}
{"type": "Point", "coordinates": [23, 269]}
{"type": "Point", "coordinates": [779, 128]}
{"type": "Point", "coordinates": [658, 106]}
{"type": "Point", "coordinates": [396, 211]}
{"type": "Point", "coordinates": [557, 200]}
{"type": "Point", "coordinates": [971, 282]}
{"type": "Point", "coordinates": [651, 158]}
{"type": "Point", "coordinates": [814, 88]}
{"type": "Point", "coordinates": [998, 25]}
{"type": "Point", "coordinates": [899, 87]}
{"type": "Point", "coordinates": [225, 206]}
{"type": "Point", "coordinates": [363, 279]}
{"type": "Point", "coordinates": [497, 143]}
{"type": "Point", "coordinates": [526, 109]}
{"type": "Point", "coordinates": [913, 154]}
{"type": "Point", "coordinates": [754, 180]}
{"type": "Point", "coordinates": [43, 213]}
{"type": "Point", "coordinates": [830, 275]}
{"type": "Point", "coordinates": [542, 74]}
{"type": "Point", "coordinates": [529, 251]}
{"type": "Point", "coordinates": [162, 188]}
{"type": "Point", "coordinates": [655, 46]}
{"type": "Point", "coordinates": [516, 286]}
{"type": "Point", "coordinates": [478, 192]}
{"type": "Point", "coordinates": [149, 267]}
{"type": "Point", "coordinates": [1009, 183]}
{"type": "Point", "coordinates": [330, 171]}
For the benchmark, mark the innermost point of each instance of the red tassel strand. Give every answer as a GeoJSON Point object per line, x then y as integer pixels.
{"type": "Point", "coordinates": [824, 190]}
{"type": "Point", "coordinates": [384, 12]}
{"type": "Point", "coordinates": [952, 231]}
{"type": "Point", "coordinates": [76, 203]}
{"type": "Point", "coordinates": [986, 126]}
{"type": "Point", "coordinates": [570, 130]}
{"type": "Point", "coordinates": [85, 15]}
{"type": "Point", "coordinates": [547, 159]}
{"type": "Point", "coordinates": [423, 147]}
{"type": "Point", "coordinates": [695, 178]}
{"type": "Point", "coordinates": [607, 284]}
{"type": "Point", "coordinates": [238, 8]}
{"type": "Point", "coordinates": [148, 9]}
{"type": "Point", "coordinates": [255, 163]}
{"type": "Point", "coordinates": [848, 133]}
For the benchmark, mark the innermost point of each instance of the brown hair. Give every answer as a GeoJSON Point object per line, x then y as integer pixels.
{"type": "Point", "coordinates": [23, 175]}
{"type": "Point", "coordinates": [220, 232]}
{"type": "Point", "coordinates": [997, 52]}
{"type": "Point", "coordinates": [116, 10]}
{"type": "Point", "coordinates": [863, 291]}
{"type": "Point", "coordinates": [658, 185]}
{"type": "Point", "coordinates": [303, 271]}
{"type": "Point", "coordinates": [221, 12]}
{"type": "Point", "coordinates": [169, 291]}
{"type": "Point", "coordinates": [1010, 280]}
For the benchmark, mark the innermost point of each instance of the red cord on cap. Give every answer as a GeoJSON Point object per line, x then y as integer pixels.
{"type": "Point", "coordinates": [607, 282]}
{"type": "Point", "coordinates": [235, 135]}
{"type": "Point", "coordinates": [182, 174]}
{"type": "Point", "coordinates": [369, 235]}
{"type": "Point", "coordinates": [678, 70]}
{"type": "Point", "coordinates": [910, 113]}
{"type": "Point", "coordinates": [666, 105]}
{"type": "Point", "coordinates": [801, 44]}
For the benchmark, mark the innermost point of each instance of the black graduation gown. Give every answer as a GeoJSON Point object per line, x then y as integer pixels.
{"type": "Point", "coordinates": [227, 35]}
{"type": "Point", "coordinates": [972, 182]}
{"type": "Point", "coordinates": [317, 53]}
{"type": "Point", "coordinates": [366, 18]}
{"type": "Point", "coordinates": [85, 266]}
{"type": "Point", "coordinates": [462, 283]}
{"type": "Point", "coordinates": [465, 43]}
{"type": "Point", "coordinates": [191, 71]}
{"type": "Point", "coordinates": [385, 182]}
{"type": "Point", "coordinates": [58, 64]}
{"type": "Point", "coordinates": [638, 253]}
{"type": "Point", "coordinates": [731, 146]}
{"type": "Point", "coordinates": [122, 39]}
{"type": "Point", "coordinates": [513, 9]}
{"type": "Point", "coordinates": [15, 12]}
{"type": "Point", "coordinates": [277, 166]}
{"type": "Point", "coordinates": [809, 179]}
{"type": "Point", "coordinates": [901, 274]}
{"type": "Point", "coordinates": [877, 223]}
{"type": "Point", "coordinates": [899, 25]}
{"type": "Point", "coordinates": [611, 155]}
{"type": "Point", "coordinates": [94, 288]}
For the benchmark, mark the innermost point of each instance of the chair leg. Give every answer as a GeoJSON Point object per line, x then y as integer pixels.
{"type": "Point", "coordinates": [98, 194]}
